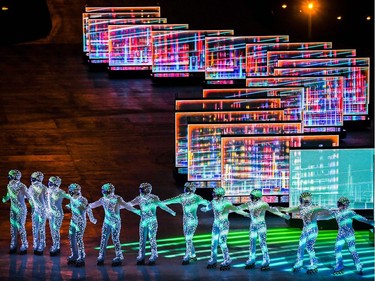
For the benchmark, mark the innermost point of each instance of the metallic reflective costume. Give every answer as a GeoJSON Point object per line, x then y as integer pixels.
{"type": "Point", "coordinates": [112, 221]}
{"type": "Point", "coordinates": [79, 208]}
{"type": "Point", "coordinates": [16, 193]}
{"type": "Point", "coordinates": [190, 202]}
{"type": "Point", "coordinates": [258, 228]}
{"type": "Point", "coordinates": [55, 213]}
{"type": "Point", "coordinates": [148, 224]}
{"type": "Point", "coordinates": [38, 194]}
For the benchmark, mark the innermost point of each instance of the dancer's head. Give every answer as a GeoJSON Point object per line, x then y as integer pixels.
{"type": "Point", "coordinates": [189, 187]}
{"type": "Point", "coordinates": [218, 192]}
{"type": "Point", "coordinates": [305, 198]}
{"type": "Point", "coordinates": [343, 202]}
{"type": "Point", "coordinates": [37, 177]}
{"type": "Point", "coordinates": [54, 182]}
{"type": "Point", "coordinates": [145, 188]}
{"type": "Point", "coordinates": [14, 175]}
{"type": "Point", "coordinates": [255, 195]}
{"type": "Point", "coordinates": [108, 189]}
{"type": "Point", "coordinates": [74, 189]}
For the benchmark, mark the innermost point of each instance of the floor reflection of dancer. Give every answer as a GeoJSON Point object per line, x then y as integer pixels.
{"type": "Point", "coordinates": [258, 228]}
{"type": "Point", "coordinates": [190, 202]}
{"type": "Point", "coordinates": [221, 208]}
{"type": "Point", "coordinates": [148, 225]}
{"type": "Point", "coordinates": [112, 222]}
{"type": "Point", "coordinates": [16, 193]}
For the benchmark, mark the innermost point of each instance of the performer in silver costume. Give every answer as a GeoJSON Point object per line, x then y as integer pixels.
{"type": "Point", "coordinates": [148, 224]}
{"type": "Point", "coordinates": [258, 228]}
{"type": "Point", "coordinates": [112, 222]}
{"type": "Point", "coordinates": [55, 214]}
{"type": "Point", "coordinates": [16, 193]}
{"type": "Point", "coordinates": [309, 214]}
{"type": "Point", "coordinates": [221, 208]}
{"type": "Point", "coordinates": [79, 207]}
{"type": "Point", "coordinates": [38, 194]}
{"type": "Point", "coordinates": [190, 202]}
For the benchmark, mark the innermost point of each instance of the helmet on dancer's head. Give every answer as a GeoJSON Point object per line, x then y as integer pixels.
{"type": "Point", "coordinates": [343, 201]}
{"type": "Point", "coordinates": [145, 188]}
{"type": "Point", "coordinates": [218, 192]}
{"type": "Point", "coordinates": [37, 177]}
{"type": "Point", "coordinates": [190, 187]}
{"type": "Point", "coordinates": [305, 198]}
{"type": "Point", "coordinates": [14, 175]}
{"type": "Point", "coordinates": [74, 189]}
{"type": "Point", "coordinates": [54, 182]}
{"type": "Point", "coordinates": [108, 189]}
{"type": "Point", "coordinates": [255, 194]}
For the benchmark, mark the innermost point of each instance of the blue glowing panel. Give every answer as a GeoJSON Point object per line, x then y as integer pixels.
{"type": "Point", "coordinates": [321, 62]}
{"type": "Point", "coordinates": [204, 144]}
{"type": "Point", "coordinates": [181, 53]}
{"type": "Point", "coordinates": [331, 173]}
{"type": "Point", "coordinates": [256, 54]}
{"type": "Point", "coordinates": [226, 55]}
{"type": "Point", "coordinates": [130, 46]}
{"type": "Point", "coordinates": [262, 162]}
{"type": "Point", "coordinates": [323, 99]}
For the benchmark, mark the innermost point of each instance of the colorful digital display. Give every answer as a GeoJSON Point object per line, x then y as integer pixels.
{"type": "Point", "coordinates": [256, 54]}
{"type": "Point", "coordinates": [291, 97]}
{"type": "Point", "coordinates": [226, 55]}
{"type": "Point", "coordinates": [204, 144]}
{"type": "Point", "coordinates": [321, 62]}
{"type": "Point", "coordinates": [182, 119]}
{"type": "Point", "coordinates": [181, 53]}
{"type": "Point", "coordinates": [323, 99]}
{"type": "Point", "coordinates": [98, 35]}
{"type": "Point", "coordinates": [262, 162]}
{"type": "Point", "coordinates": [356, 95]}
{"type": "Point", "coordinates": [130, 46]}
{"type": "Point", "coordinates": [331, 173]}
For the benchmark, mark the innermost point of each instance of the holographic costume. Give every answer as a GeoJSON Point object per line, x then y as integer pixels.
{"type": "Point", "coordinates": [190, 202]}
{"type": "Point", "coordinates": [148, 224]}
{"type": "Point", "coordinates": [79, 208]}
{"type": "Point", "coordinates": [38, 194]}
{"type": "Point", "coordinates": [308, 213]}
{"type": "Point", "coordinates": [220, 228]}
{"type": "Point", "coordinates": [55, 213]}
{"type": "Point", "coordinates": [258, 228]}
{"type": "Point", "coordinates": [112, 222]}
{"type": "Point", "coordinates": [16, 192]}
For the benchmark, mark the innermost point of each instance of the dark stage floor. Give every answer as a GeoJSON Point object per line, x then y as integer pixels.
{"type": "Point", "coordinates": [60, 117]}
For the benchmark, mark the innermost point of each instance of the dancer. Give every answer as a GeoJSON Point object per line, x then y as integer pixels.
{"type": "Point", "coordinates": [148, 224]}
{"type": "Point", "coordinates": [258, 228]}
{"type": "Point", "coordinates": [220, 228]}
{"type": "Point", "coordinates": [79, 208]}
{"type": "Point", "coordinates": [344, 217]}
{"type": "Point", "coordinates": [55, 214]}
{"type": "Point", "coordinates": [38, 194]}
{"type": "Point", "coordinates": [16, 193]}
{"type": "Point", "coordinates": [112, 221]}
{"type": "Point", "coordinates": [190, 202]}
{"type": "Point", "coordinates": [308, 213]}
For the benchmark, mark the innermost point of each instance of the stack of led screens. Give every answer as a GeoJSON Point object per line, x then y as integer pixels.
{"type": "Point", "coordinates": [181, 53]}
{"type": "Point", "coordinates": [226, 55]}
{"type": "Point", "coordinates": [113, 13]}
{"type": "Point", "coordinates": [291, 97]}
{"type": "Point", "coordinates": [323, 99]}
{"type": "Point", "coordinates": [130, 46]}
{"type": "Point", "coordinates": [262, 162]}
{"type": "Point", "coordinates": [204, 144]}
{"type": "Point", "coordinates": [182, 119]}
{"type": "Point", "coordinates": [331, 173]}
{"type": "Point", "coordinates": [98, 35]}
{"type": "Point", "coordinates": [256, 54]}
{"type": "Point", "coordinates": [356, 95]}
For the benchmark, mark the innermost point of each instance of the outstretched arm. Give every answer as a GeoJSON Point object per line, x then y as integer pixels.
{"type": "Point", "coordinates": [207, 208]}
{"type": "Point", "coordinates": [363, 219]}
{"type": "Point", "coordinates": [289, 210]}
{"type": "Point", "coordinates": [91, 215]}
{"type": "Point", "coordinates": [237, 210]}
{"type": "Point", "coordinates": [166, 208]}
{"type": "Point", "coordinates": [134, 202]}
{"type": "Point", "coordinates": [173, 200]}
{"type": "Point", "coordinates": [96, 204]}
{"type": "Point", "coordinates": [129, 207]}
{"type": "Point", "coordinates": [275, 211]}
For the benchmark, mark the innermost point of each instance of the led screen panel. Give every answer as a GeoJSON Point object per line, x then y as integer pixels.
{"type": "Point", "coordinates": [204, 144]}
{"type": "Point", "coordinates": [356, 95]}
{"type": "Point", "coordinates": [181, 53]}
{"type": "Point", "coordinates": [323, 98]}
{"type": "Point", "coordinates": [256, 54]}
{"type": "Point", "coordinates": [321, 62]}
{"type": "Point", "coordinates": [130, 46]}
{"type": "Point", "coordinates": [331, 173]}
{"type": "Point", "coordinates": [226, 55]}
{"type": "Point", "coordinates": [291, 97]}
{"type": "Point", "coordinates": [262, 162]}
{"type": "Point", "coordinates": [98, 35]}
{"type": "Point", "coordinates": [182, 119]}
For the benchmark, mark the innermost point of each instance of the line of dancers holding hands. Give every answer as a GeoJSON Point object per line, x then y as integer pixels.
{"type": "Point", "coordinates": [46, 204]}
